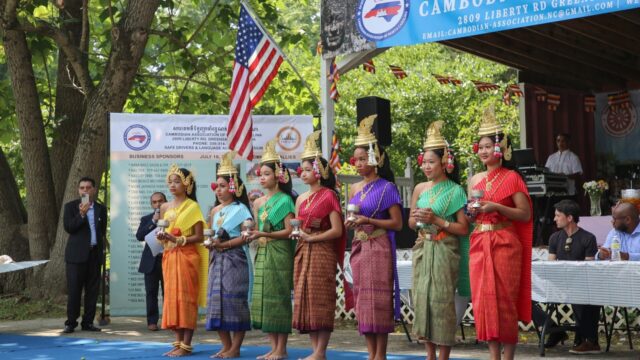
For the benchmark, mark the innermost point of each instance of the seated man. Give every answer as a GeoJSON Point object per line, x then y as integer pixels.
{"type": "Point", "coordinates": [625, 224]}
{"type": "Point", "coordinates": [572, 243]}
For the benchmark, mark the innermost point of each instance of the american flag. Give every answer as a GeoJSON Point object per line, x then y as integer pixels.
{"type": "Point", "coordinates": [257, 62]}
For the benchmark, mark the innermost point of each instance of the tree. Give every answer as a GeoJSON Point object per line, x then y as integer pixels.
{"type": "Point", "coordinates": [69, 63]}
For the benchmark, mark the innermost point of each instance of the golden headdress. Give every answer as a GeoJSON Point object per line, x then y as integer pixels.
{"type": "Point", "coordinates": [270, 154]}
{"type": "Point", "coordinates": [226, 166]}
{"type": "Point", "coordinates": [187, 181]}
{"type": "Point", "coordinates": [365, 136]}
{"type": "Point", "coordinates": [228, 169]}
{"type": "Point", "coordinates": [434, 138]}
{"type": "Point", "coordinates": [311, 149]}
{"type": "Point", "coordinates": [488, 124]}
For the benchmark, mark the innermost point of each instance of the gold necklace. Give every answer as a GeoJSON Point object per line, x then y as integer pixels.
{"type": "Point", "coordinates": [310, 199]}
{"type": "Point", "coordinates": [489, 184]}
{"type": "Point", "coordinates": [222, 214]}
{"type": "Point", "coordinates": [267, 208]}
{"type": "Point", "coordinates": [363, 194]}
{"type": "Point", "coordinates": [433, 197]}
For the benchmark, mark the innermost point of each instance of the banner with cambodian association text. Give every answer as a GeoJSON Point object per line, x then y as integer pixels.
{"type": "Point", "coordinates": [404, 22]}
{"type": "Point", "coordinates": [144, 146]}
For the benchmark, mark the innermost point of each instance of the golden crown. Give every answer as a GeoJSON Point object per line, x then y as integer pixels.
{"type": "Point", "coordinates": [434, 139]}
{"type": "Point", "coordinates": [187, 181]}
{"type": "Point", "coordinates": [488, 124]}
{"type": "Point", "coordinates": [226, 166]}
{"type": "Point", "coordinates": [365, 136]}
{"type": "Point", "coordinates": [311, 149]}
{"type": "Point", "coordinates": [270, 154]}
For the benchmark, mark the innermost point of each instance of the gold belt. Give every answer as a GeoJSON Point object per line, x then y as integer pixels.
{"type": "Point", "coordinates": [263, 240]}
{"type": "Point", "coordinates": [362, 235]}
{"type": "Point", "coordinates": [424, 235]}
{"type": "Point", "coordinates": [492, 227]}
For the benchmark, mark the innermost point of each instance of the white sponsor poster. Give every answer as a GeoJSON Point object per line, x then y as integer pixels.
{"type": "Point", "coordinates": [144, 146]}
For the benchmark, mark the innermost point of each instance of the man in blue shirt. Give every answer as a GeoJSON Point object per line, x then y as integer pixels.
{"type": "Point", "coordinates": [625, 224]}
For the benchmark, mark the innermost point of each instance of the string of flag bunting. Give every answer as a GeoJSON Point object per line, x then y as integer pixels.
{"type": "Point", "coordinates": [334, 161]}
{"type": "Point", "coordinates": [511, 91]}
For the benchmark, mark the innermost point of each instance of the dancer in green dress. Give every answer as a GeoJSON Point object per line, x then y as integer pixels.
{"type": "Point", "coordinates": [271, 309]}
{"type": "Point", "coordinates": [438, 216]}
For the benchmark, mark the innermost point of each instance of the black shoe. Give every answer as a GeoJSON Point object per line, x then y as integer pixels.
{"type": "Point", "coordinates": [68, 329]}
{"type": "Point", "coordinates": [555, 338]}
{"type": "Point", "coordinates": [90, 327]}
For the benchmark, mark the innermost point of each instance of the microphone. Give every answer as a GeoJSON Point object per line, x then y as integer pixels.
{"type": "Point", "coordinates": [155, 212]}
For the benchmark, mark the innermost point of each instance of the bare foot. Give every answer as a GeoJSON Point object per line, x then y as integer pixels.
{"type": "Point", "coordinates": [276, 356]}
{"type": "Point", "coordinates": [229, 355]}
{"type": "Point", "coordinates": [315, 357]}
{"type": "Point", "coordinates": [265, 356]}
{"type": "Point", "coordinates": [217, 355]}
{"type": "Point", "coordinates": [168, 353]}
{"type": "Point", "coordinates": [179, 352]}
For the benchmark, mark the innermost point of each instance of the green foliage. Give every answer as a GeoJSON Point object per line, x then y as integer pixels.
{"type": "Point", "coordinates": [187, 68]}
{"type": "Point", "coordinates": [419, 99]}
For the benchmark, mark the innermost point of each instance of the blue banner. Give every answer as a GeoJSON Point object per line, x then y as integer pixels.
{"type": "Point", "coordinates": [405, 22]}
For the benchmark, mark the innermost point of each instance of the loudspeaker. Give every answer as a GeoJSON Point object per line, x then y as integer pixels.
{"type": "Point", "coordinates": [406, 238]}
{"type": "Point", "coordinates": [382, 126]}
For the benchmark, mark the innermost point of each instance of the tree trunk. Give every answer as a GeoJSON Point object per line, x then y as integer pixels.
{"type": "Point", "coordinates": [13, 218]}
{"type": "Point", "coordinates": [129, 39]}
{"type": "Point", "coordinates": [70, 103]}
{"type": "Point", "coordinates": [35, 155]}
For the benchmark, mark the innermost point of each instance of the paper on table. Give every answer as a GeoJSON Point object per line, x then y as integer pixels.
{"type": "Point", "coordinates": [154, 244]}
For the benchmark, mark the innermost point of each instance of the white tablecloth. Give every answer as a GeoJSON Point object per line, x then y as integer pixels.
{"type": "Point", "coordinates": [20, 265]}
{"type": "Point", "coordinates": [405, 274]}
{"type": "Point", "coordinates": [615, 283]}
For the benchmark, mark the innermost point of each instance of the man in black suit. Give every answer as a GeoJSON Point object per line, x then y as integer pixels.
{"type": "Point", "coordinates": [86, 222]}
{"type": "Point", "coordinates": [151, 266]}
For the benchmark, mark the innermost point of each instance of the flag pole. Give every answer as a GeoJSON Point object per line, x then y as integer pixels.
{"type": "Point", "coordinates": [264, 30]}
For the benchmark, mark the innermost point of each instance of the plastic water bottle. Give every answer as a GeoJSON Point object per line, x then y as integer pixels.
{"type": "Point", "coordinates": [615, 248]}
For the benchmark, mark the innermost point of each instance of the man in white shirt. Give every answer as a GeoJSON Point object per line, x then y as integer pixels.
{"type": "Point", "coordinates": [565, 161]}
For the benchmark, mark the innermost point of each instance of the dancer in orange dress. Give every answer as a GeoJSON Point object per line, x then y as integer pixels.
{"type": "Point", "coordinates": [182, 259]}
{"type": "Point", "coordinates": [500, 252]}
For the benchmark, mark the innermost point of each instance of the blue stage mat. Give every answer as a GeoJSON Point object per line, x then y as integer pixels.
{"type": "Point", "coordinates": [19, 347]}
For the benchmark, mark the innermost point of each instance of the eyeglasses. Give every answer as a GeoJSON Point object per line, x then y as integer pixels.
{"type": "Point", "coordinates": [567, 244]}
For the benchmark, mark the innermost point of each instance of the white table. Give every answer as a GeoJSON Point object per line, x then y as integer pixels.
{"type": "Point", "coordinates": [14, 266]}
{"type": "Point", "coordinates": [614, 283]}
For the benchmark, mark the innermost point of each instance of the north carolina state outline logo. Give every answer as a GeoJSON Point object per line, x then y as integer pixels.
{"type": "Point", "coordinates": [381, 19]}
{"type": "Point", "coordinates": [137, 137]}
{"type": "Point", "coordinates": [619, 122]}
